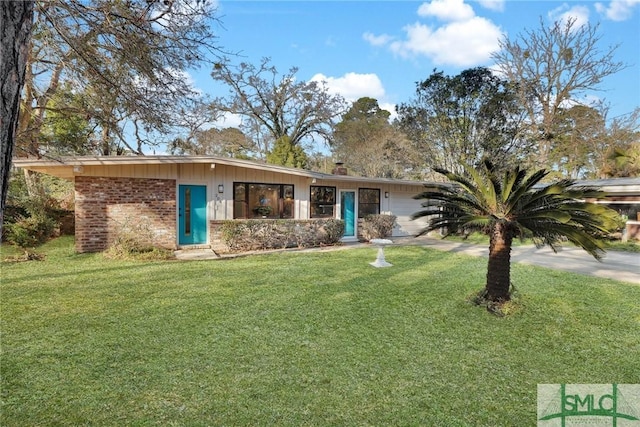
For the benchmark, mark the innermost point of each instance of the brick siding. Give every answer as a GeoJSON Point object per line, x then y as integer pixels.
{"type": "Point", "coordinates": [215, 236]}
{"type": "Point", "coordinates": [633, 230]}
{"type": "Point", "coordinates": [106, 207]}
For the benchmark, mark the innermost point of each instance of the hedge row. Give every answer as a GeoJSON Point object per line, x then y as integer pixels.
{"type": "Point", "coordinates": [251, 235]}
{"type": "Point", "coordinates": [377, 226]}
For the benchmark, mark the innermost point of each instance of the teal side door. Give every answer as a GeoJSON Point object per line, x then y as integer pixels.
{"type": "Point", "coordinates": [192, 214]}
{"type": "Point", "coordinates": [348, 212]}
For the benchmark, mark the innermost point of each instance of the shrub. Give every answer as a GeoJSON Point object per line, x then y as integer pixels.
{"type": "Point", "coordinates": [29, 232]}
{"type": "Point", "coordinates": [333, 229]}
{"type": "Point", "coordinates": [135, 241]}
{"type": "Point", "coordinates": [252, 235]}
{"type": "Point", "coordinates": [32, 219]}
{"type": "Point", "coordinates": [378, 226]}
{"type": "Point", "coordinates": [31, 222]}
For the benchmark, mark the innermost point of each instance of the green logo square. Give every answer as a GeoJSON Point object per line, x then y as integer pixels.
{"type": "Point", "coordinates": [592, 405]}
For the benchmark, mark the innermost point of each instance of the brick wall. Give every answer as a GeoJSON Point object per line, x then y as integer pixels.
{"type": "Point", "coordinates": [106, 207]}
{"type": "Point", "coordinates": [215, 236]}
{"type": "Point", "coordinates": [633, 230]}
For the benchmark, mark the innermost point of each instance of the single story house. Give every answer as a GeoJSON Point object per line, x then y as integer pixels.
{"type": "Point", "coordinates": [184, 199]}
{"type": "Point", "coordinates": [623, 195]}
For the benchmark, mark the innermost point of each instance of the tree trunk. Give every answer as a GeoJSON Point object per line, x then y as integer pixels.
{"type": "Point", "coordinates": [34, 184]}
{"type": "Point", "coordinates": [499, 268]}
{"type": "Point", "coordinates": [106, 148]}
{"type": "Point", "coordinates": [16, 20]}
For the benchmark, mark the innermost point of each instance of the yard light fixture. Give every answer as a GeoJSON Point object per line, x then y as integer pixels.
{"type": "Point", "coordinates": [386, 194]}
{"type": "Point", "coordinates": [220, 188]}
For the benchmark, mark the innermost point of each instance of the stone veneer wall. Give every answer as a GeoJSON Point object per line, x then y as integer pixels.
{"type": "Point", "coordinates": [107, 206]}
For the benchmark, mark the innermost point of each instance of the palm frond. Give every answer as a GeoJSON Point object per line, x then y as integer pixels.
{"type": "Point", "coordinates": [512, 181]}
{"type": "Point", "coordinates": [525, 186]}
{"type": "Point", "coordinates": [481, 199]}
{"type": "Point", "coordinates": [486, 194]}
{"type": "Point", "coordinates": [459, 179]}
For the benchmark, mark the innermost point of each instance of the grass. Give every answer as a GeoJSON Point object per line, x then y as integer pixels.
{"type": "Point", "coordinates": [299, 339]}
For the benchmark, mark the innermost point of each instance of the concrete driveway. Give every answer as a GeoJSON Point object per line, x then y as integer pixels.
{"type": "Point", "coordinates": [623, 266]}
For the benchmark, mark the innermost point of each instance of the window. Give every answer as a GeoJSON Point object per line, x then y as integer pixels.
{"type": "Point", "coordinates": [262, 200]}
{"type": "Point", "coordinates": [187, 211]}
{"type": "Point", "coordinates": [368, 202]}
{"type": "Point", "coordinates": [323, 201]}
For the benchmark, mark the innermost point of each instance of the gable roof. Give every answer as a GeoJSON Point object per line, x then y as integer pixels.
{"type": "Point", "coordinates": [64, 166]}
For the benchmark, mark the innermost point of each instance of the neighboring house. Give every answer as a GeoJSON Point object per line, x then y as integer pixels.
{"type": "Point", "coordinates": [623, 195]}
{"type": "Point", "coordinates": [183, 200]}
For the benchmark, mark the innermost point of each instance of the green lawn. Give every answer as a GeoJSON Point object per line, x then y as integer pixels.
{"type": "Point", "coordinates": [299, 339]}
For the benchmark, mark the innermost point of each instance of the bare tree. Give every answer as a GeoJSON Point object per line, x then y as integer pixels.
{"type": "Point", "coordinates": [552, 67]}
{"type": "Point", "coordinates": [228, 142]}
{"type": "Point", "coordinates": [127, 58]}
{"type": "Point", "coordinates": [273, 107]}
{"type": "Point", "coordinates": [16, 19]}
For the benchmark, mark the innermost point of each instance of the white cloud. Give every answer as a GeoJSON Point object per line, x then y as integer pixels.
{"type": "Point", "coordinates": [588, 100]}
{"type": "Point", "coordinates": [462, 44]}
{"type": "Point", "coordinates": [390, 108]}
{"type": "Point", "coordinates": [496, 5]}
{"type": "Point", "coordinates": [228, 120]}
{"type": "Point", "coordinates": [496, 71]}
{"type": "Point", "coordinates": [463, 40]}
{"type": "Point", "coordinates": [618, 10]}
{"type": "Point", "coordinates": [374, 40]}
{"type": "Point", "coordinates": [564, 13]}
{"type": "Point", "coordinates": [447, 10]}
{"type": "Point", "coordinates": [353, 86]}
{"type": "Point", "coordinates": [330, 41]}
{"type": "Point", "coordinates": [185, 77]}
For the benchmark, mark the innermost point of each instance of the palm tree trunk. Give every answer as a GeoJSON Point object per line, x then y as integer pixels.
{"type": "Point", "coordinates": [499, 269]}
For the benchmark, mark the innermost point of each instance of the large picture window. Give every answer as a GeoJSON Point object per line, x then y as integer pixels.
{"type": "Point", "coordinates": [368, 202]}
{"type": "Point", "coordinates": [323, 202]}
{"type": "Point", "coordinates": [252, 200]}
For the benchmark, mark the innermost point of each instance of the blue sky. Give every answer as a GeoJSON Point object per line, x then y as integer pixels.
{"type": "Point", "coordinates": [381, 49]}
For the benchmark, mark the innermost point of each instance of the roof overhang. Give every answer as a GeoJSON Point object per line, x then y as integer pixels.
{"type": "Point", "coordinates": [612, 186]}
{"type": "Point", "coordinates": [68, 167]}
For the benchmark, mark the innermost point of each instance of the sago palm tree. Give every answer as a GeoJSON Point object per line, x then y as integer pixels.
{"type": "Point", "coordinates": [514, 204]}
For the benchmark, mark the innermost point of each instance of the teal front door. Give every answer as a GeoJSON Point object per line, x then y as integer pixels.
{"type": "Point", "coordinates": [192, 214]}
{"type": "Point", "coordinates": [348, 212]}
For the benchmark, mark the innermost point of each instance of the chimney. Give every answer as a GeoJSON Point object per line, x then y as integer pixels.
{"type": "Point", "coordinates": [339, 169]}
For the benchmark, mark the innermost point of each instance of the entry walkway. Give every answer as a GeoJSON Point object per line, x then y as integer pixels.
{"type": "Point", "coordinates": [623, 266]}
